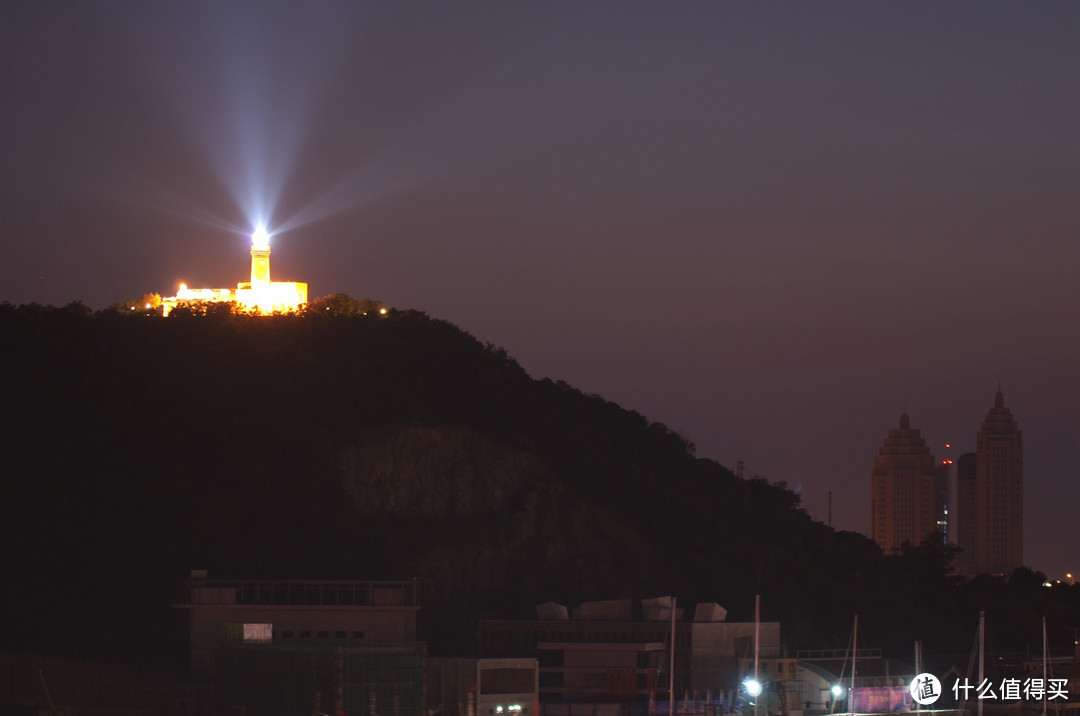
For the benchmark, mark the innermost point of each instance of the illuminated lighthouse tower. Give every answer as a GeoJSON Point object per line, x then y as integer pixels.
{"type": "Point", "coordinates": [261, 295]}
{"type": "Point", "coordinates": [260, 258]}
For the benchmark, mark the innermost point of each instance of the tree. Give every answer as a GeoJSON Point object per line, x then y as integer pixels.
{"type": "Point", "coordinates": [339, 304]}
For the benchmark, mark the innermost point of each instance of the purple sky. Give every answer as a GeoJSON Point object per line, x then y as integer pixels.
{"type": "Point", "coordinates": [769, 226]}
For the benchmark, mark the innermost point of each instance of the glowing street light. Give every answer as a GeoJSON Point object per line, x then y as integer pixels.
{"type": "Point", "coordinates": [753, 687]}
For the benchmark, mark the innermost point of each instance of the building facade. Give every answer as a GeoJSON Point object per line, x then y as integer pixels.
{"type": "Point", "coordinates": [999, 492]}
{"type": "Point", "coordinates": [604, 655]}
{"type": "Point", "coordinates": [963, 534]}
{"type": "Point", "coordinates": [904, 489]}
{"type": "Point", "coordinates": [312, 613]}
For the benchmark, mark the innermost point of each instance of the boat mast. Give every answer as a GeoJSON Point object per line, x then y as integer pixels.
{"type": "Point", "coordinates": [982, 654]}
{"type": "Point", "coordinates": [671, 674]}
{"type": "Point", "coordinates": [1045, 655]}
{"type": "Point", "coordinates": [757, 645]}
{"type": "Point", "coordinates": [918, 669]}
{"type": "Point", "coordinates": [854, 664]}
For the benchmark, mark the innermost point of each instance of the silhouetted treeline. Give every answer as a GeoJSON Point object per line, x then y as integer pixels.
{"type": "Point", "coordinates": [352, 443]}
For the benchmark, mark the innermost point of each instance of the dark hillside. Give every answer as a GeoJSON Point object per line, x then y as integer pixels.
{"type": "Point", "coordinates": [325, 446]}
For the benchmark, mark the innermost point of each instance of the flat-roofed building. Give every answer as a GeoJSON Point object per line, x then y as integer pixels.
{"type": "Point", "coordinates": [295, 611]}
{"type": "Point", "coordinates": [623, 659]}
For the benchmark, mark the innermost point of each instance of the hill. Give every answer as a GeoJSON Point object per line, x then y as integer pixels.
{"type": "Point", "coordinates": [331, 445]}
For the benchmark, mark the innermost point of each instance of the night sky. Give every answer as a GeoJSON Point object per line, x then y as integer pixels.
{"type": "Point", "coordinates": [772, 227]}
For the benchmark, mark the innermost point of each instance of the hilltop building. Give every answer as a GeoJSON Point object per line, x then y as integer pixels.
{"type": "Point", "coordinates": [999, 492]}
{"type": "Point", "coordinates": [904, 489]}
{"type": "Point", "coordinates": [260, 295]}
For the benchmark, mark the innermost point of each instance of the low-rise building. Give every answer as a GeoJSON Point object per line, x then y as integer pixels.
{"type": "Point", "coordinates": [295, 612]}
{"type": "Point", "coordinates": [605, 654]}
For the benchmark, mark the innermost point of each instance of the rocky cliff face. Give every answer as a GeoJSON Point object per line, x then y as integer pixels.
{"type": "Point", "coordinates": [436, 472]}
{"type": "Point", "coordinates": [491, 519]}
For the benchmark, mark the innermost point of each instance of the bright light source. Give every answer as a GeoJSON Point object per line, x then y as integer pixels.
{"type": "Point", "coordinates": [753, 687]}
{"type": "Point", "coordinates": [259, 238]}
{"type": "Point", "coordinates": [382, 311]}
{"type": "Point", "coordinates": [837, 691]}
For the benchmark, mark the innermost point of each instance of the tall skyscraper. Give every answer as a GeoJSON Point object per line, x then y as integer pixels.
{"type": "Point", "coordinates": [999, 492]}
{"type": "Point", "coordinates": [963, 533]}
{"type": "Point", "coordinates": [942, 500]}
{"type": "Point", "coordinates": [903, 489]}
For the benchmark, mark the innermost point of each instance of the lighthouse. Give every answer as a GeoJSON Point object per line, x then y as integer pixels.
{"type": "Point", "coordinates": [260, 296]}
{"type": "Point", "coordinates": [260, 258]}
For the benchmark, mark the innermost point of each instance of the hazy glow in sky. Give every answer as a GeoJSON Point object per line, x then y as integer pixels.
{"type": "Point", "coordinates": [770, 226]}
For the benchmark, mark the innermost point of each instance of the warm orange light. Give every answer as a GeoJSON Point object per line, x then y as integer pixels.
{"type": "Point", "coordinates": [260, 296]}
{"type": "Point", "coordinates": [273, 297]}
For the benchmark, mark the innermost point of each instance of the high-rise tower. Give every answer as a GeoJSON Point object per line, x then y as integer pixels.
{"type": "Point", "coordinates": [999, 492]}
{"type": "Point", "coordinates": [903, 489]}
{"type": "Point", "coordinates": [964, 532]}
